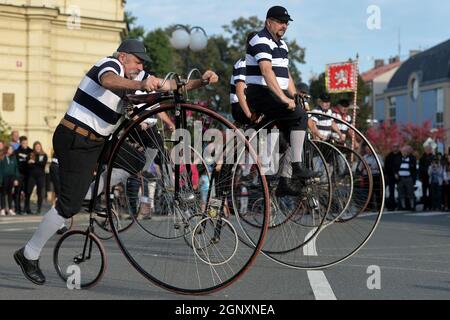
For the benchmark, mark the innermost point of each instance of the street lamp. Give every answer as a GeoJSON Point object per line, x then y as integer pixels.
{"type": "Point", "coordinates": [195, 38]}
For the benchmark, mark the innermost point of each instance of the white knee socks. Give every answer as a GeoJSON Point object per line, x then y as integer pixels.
{"type": "Point", "coordinates": [296, 142]}
{"type": "Point", "coordinates": [51, 222]}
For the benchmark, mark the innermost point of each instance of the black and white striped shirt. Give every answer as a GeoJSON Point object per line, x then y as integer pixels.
{"type": "Point", "coordinates": [323, 123]}
{"type": "Point", "coordinates": [404, 170]}
{"type": "Point", "coordinates": [237, 76]}
{"type": "Point", "coordinates": [96, 107]}
{"type": "Point", "coordinates": [264, 47]}
{"type": "Point", "coordinates": [342, 116]}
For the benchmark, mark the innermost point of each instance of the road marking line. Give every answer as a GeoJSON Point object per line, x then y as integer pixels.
{"type": "Point", "coordinates": [17, 229]}
{"type": "Point", "coordinates": [317, 279]}
{"type": "Point", "coordinates": [427, 214]}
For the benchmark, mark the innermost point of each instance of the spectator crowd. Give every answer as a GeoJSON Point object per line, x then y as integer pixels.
{"type": "Point", "coordinates": [406, 171]}
{"type": "Point", "coordinates": [22, 170]}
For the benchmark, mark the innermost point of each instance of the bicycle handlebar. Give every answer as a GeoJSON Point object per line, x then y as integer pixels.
{"type": "Point", "coordinates": [152, 98]}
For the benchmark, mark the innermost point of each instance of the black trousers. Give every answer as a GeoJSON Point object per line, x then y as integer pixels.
{"type": "Point", "coordinates": [262, 100]}
{"type": "Point", "coordinates": [23, 187]}
{"type": "Point", "coordinates": [37, 180]}
{"type": "Point", "coordinates": [77, 156]}
{"type": "Point", "coordinates": [392, 204]}
{"type": "Point", "coordinates": [7, 191]}
{"type": "Point", "coordinates": [426, 199]}
{"type": "Point", "coordinates": [54, 177]}
{"type": "Point", "coordinates": [238, 114]}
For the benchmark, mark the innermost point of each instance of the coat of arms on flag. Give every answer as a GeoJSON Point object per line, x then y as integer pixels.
{"type": "Point", "coordinates": [341, 77]}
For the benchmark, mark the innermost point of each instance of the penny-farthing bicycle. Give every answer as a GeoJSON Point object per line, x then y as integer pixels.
{"type": "Point", "coordinates": [193, 247]}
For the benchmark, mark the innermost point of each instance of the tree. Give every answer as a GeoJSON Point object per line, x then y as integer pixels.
{"type": "Point", "coordinates": [385, 136]}
{"type": "Point", "coordinates": [416, 134]}
{"type": "Point", "coordinates": [134, 32]}
{"type": "Point", "coordinates": [5, 130]}
{"type": "Point", "coordinates": [160, 52]}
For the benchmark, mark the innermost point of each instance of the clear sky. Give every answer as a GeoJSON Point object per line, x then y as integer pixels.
{"type": "Point", "coordinates": [331, 31]}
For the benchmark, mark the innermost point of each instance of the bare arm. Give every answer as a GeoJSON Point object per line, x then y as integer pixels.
{"type": "Point", "coordinates": [272, 83]}
{"type": "Point", "coordinates": [313, 127]}
{"type": "Point", "coordinates": [166, 119]}
{"type": "Point", "coordinates": [112, 81]}
{"type": "Point", "coordinates": [336, 129]}
{"type": "Point", "coordinates": [240, 92]}
{"type": "Point", "coordinates": [291, 89]}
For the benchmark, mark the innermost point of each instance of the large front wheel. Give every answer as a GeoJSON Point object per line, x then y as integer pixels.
{"type": "Point", "coordinates": [192, 173]}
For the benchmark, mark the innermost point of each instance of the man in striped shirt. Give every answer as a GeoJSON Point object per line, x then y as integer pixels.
{"type": "Point", "coordinates": [239, 107]}
{"type": "Point", "coordinates": [78, 140]}
{"type": "Point", "coordinates": [405, 173]}
{"type": "Point", "coordinates": [323, 127]}
{"type": "Point", "coordinates": [271, 91]}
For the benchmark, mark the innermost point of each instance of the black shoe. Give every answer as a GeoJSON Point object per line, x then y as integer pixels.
{"type": "Point", "coordinates": [62, 230]}
{"type": "Point", "coordinates": [298, 172]}
{"type": "Point", "coordinates": [287, 188]}
{"type": "Point", "coordinates": [30, 268]}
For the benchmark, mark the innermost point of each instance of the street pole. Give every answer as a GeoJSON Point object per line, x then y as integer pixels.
{"type": "Point", "coordinates": [355, 99]}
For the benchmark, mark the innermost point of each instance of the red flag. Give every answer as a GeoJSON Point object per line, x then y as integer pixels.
{"type": "Point", "coordinates": [341, 77]}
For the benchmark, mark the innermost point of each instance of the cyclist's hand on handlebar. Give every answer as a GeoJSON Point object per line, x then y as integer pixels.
{"type": "Point", "coordinates": [210, 77]}
{"type": "Point", "coordinates": [150, 84]}
{"type": "Point", "coordinates": [291, 104]}
{"type": "Point", "coordinates": [255, 118]}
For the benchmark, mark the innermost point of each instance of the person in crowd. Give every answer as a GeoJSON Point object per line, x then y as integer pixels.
{"type": "Point", "coordinates": [424, 164]}
{"type": "Point", "coordinates": [436, 174]}
{"type": "Point", "coordinates": [405, 173]}
{"type": "Point", "coordinates": [393, 158]}
{"type": "Point", "coordinates": [446, 184]}
{"type": "Point", "coordinates": [9, 179]}
{"type": "Point", "coordinates": [36, 169]}
{"type": "Point", "coordinates": [22, 154]}
{"type": "Point", "coordinates": [370, 159]}
{"type": "Point", "coordinates": [203, 187]}
{"type": "Point", "coordinates": [15, 142]}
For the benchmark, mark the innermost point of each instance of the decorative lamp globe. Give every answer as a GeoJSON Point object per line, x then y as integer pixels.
{"type": "Point", "coordinates": [198, 40]}
{"type": "Point", "coordinates": [180, 39]}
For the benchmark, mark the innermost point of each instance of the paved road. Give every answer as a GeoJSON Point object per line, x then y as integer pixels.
{"type": "Point", "coordinates": [411, 250]}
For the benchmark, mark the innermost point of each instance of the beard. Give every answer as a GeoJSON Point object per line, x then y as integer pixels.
{"type": "Point", "coordinates": [133, 74]}
{"type": "Point", "coordinates": [281, 33]}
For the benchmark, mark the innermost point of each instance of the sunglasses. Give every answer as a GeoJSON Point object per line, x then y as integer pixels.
{"type": "Point", "coordinates": [280, 22]}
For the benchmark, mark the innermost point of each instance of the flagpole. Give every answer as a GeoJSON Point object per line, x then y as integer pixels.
{"type": "Point", "coordinates": [355, 100]}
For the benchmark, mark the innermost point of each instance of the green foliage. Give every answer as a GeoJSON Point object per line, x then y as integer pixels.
{"type": "Point", "coordinates": [160, 51]}
{"type": "Point", "coordinates": [135, 32]}
{"type": "Point", "coordinates": [5, 130]}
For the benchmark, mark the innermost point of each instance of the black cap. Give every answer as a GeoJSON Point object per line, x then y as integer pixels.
{"type": "Point", "coordinates": [134, 47]}
{"type": "Point", "coordinates": [279, 13]}
{"type": "Point", "coordinates": [325, 97]}
{"type": "Point", "coordinates": [303, 87]}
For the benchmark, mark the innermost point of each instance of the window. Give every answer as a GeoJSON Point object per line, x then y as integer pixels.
{"type": "Point", "coordinates": [414, 85]}
{"type": "Point", "coordinates": [8, 102]}
{"type": "Point", "coordinates": [393, 109]}
{"type": "Point", "coordinates": [439, 108]}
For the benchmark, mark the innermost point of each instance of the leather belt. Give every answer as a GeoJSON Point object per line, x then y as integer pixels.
{"type": "Point", "coordinates": [81, 131]}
